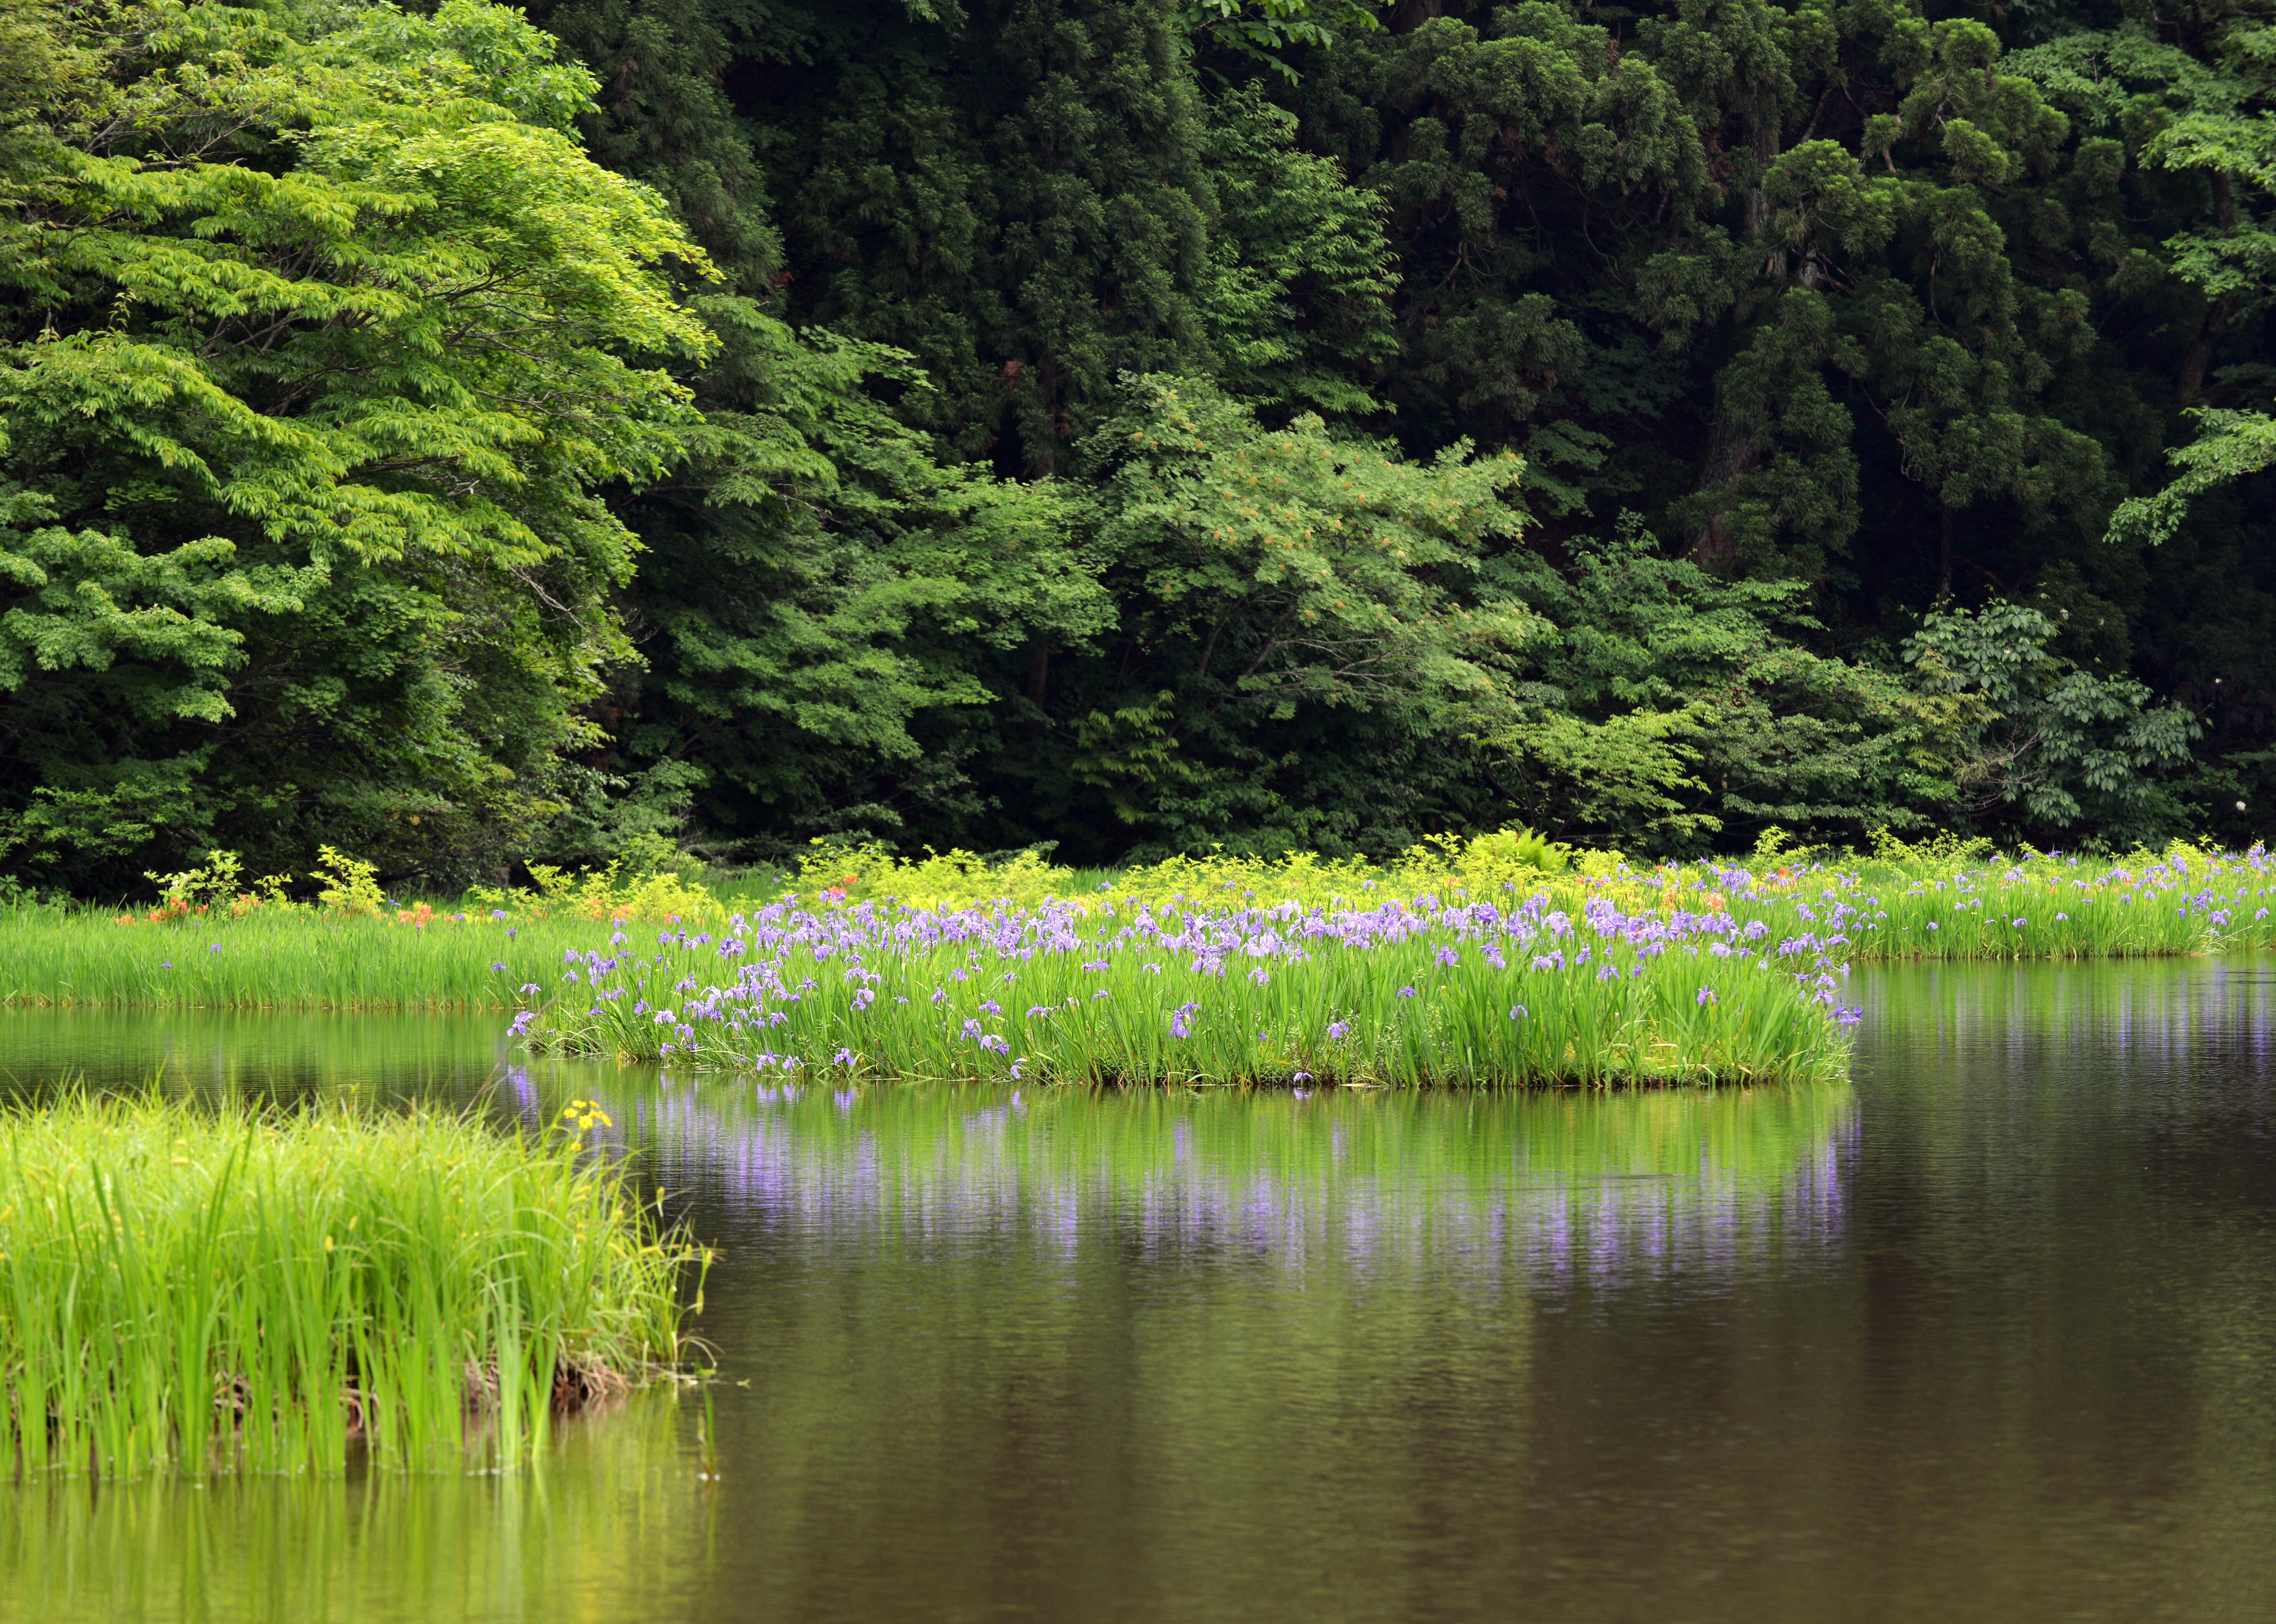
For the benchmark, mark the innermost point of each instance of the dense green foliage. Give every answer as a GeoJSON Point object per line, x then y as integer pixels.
{"type": "Point", "coordinates": [322, 360]}
{"type": "Point", "coordinates": [1126, 424]}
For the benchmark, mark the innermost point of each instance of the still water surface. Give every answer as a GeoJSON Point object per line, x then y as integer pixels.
{"type": "Point", "coordinates": [1988, 1333]}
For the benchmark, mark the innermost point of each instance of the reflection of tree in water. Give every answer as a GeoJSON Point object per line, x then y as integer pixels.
{"type": "Point", "coordinates": [1559, 1184]}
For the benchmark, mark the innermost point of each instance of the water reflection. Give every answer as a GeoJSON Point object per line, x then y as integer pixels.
{"type": "Point", "coordinates": [288, 1058]}
{"type": "Point", "coordinates": [1988, 1336]}
{"type": "Point", "coordinates": [1631, 1186]}
{"type": "Point", "coordinates": [615, 1498]}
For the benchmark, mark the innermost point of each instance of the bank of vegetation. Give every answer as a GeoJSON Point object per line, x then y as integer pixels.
{"type": "Point", "coordinates": [1507, 959]}
{"type": "Point", "coordinates": [204, 1289]}
{"type": "Point", "coordinates": [864, 964]}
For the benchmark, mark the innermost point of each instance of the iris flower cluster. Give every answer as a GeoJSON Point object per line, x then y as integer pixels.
{"type": "Point", "coordinates": [1512, 989]}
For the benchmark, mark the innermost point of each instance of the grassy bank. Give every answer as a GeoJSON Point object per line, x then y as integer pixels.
{"type": "Point", "coordinates": [1454, 968]}
{"type": "Point", "coordinates": [201, 1290]}
{"type": "Point", "coordinates": [480, 953]}
{"type": "Point", "coordinates": [277, 960]}
{"type": "Point", "coordinates": [1493, 960]}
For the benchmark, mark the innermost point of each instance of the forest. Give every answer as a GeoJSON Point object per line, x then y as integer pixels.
{"type": "Point", "coordinates": [668, 431]}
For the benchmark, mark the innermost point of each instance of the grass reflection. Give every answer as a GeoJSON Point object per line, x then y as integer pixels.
{"type": "Point", "coordinates": [615, 1501]}
{"type": "Point", "coordinates": [1558, 1178]}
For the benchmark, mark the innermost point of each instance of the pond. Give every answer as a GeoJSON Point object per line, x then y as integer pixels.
{"type": "Point", "coordinates": [1988, 1332]}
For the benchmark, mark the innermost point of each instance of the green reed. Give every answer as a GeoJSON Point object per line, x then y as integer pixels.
{"type": "Point", "coordinates": [227, 1289]}
{"type": "Point", "coordinates": [278, 961]}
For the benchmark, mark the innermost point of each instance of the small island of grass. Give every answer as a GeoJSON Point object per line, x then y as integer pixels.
{"type": "Point", "coordinates": [197, 1288]}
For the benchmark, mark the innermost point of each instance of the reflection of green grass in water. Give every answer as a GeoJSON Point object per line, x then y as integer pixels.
{"type": "Point", "coordinates": [618, 1500]}
{"type": "Point", "coordinates": [221, 1052]}
{"type": "Point", "coordinates": [2180, 1005]}
{"type": "Point", "coordinates": [1061, 1140]}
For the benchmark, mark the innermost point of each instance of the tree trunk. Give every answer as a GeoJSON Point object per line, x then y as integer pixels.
{"type": "Point", "coordinates": [1039, 672]}
{"type": "Point", "coordinates": [1757, 209]}
{"type": "Point", "coordinates": [1942, 553]}
{"type": "Point", "coordinates": [1731, 456]}
{"type": "Point", "coordinates": [1731, 450]}
{"type": "Point", "coordinates": [2198, 356]}
{"type": "Point", "coordinates": [1412, 14]}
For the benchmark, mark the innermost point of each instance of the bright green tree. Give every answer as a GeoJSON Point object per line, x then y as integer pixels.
{"type": "Point", "coordinates": [321, 342]}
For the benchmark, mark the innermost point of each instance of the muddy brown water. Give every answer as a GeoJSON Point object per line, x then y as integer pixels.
{"type": "Point", "coordinates": [1988, 1332]}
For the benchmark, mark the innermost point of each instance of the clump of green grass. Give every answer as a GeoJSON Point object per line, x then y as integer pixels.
{"type": "Point", "coordinates": [277, 959]}
{"type": "Point", "coordinates": [231, 1289]}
